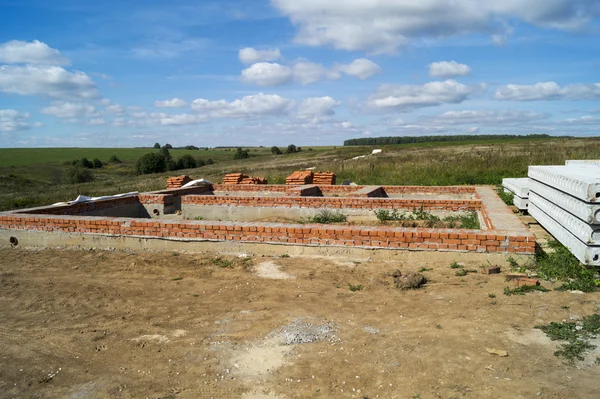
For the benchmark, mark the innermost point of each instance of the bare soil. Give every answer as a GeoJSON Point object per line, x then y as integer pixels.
{"type": "Point", "coordinates": [102, 324]}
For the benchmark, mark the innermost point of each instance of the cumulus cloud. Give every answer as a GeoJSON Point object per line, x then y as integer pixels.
{"type": "Point", "coordinates": [115, 109]}
{"type": "Point", "coordinates": [548, 91]}
{"type": "Point", "coordinates": [51, 81]}
{"type": "Point", "coordinates": [97, 121]}
{"type": "Point", "coordinates": [305, 72]}
{"type": "Point", "coordinates": [247, 107]}
{"type": "Point", "coordinates": [386, 26]}
{"type": "Point", "coordinates": [35, 52]}
{"type": "Point", "coordinates": [250, 55]}
{"type": "Point", "coordinates": [69, 110]}
{"type": "Point", "coordinates": [488, 118]}
{"type": "Point", "coordinates": [408, 97]}
{"type": "Point", "coordinates": [448, 69]}
{"type": "Point", "coordinates": [12, 121]}
{"type": "Point", "coordinates": [173, 103]}
{"type": "Point", "coordinates": [583, 120]}
{"type": "Point", "coordinates": [267, 74]}
{"type": "Point", "coordinates": [316, 107]}
{"type": "Point", "coordinates": [361, 68]}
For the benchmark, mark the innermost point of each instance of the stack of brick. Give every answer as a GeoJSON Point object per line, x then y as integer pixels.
{"type": "Point", "coordinates": [177, 181]}
{"type": "Point", "coordinates": [324, 178]}
{"type": "Point", "coordinates": [300, 177]}
{"type": "Point", "coordinates": [234, 178]}
{"type": "Point", "coordinates": [253, 180]}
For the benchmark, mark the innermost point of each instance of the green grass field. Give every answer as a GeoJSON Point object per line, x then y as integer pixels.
{"type": "Point", "coordinates": [33, 177]}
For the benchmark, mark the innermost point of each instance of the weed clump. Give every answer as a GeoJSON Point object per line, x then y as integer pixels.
{"type": "Point", "coordinates": [505, 196]}
{"type": "Point", "coordinates": [577, 336]}
{"type": "Point", "coordinates": [561, 265]}
{"type": "Point", "coordinates": [469, 220]}
{"type": "Point", "coordinates": [357, 287]}
{"type": "Point", "coordinates": [522, 290]}
{"type": "Point", "coordinates": [326, 217]}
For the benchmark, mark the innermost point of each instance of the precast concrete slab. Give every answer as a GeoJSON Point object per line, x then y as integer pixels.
{"type": "Point", "coordinates": [588, 233]}
{"type": "Point", "coordinates": [521, 203]}
{"type": "Point", "coordinates": [586, 254]}
{"type": "Point", "coordinates": [589, 213]}
{"type": "Point", "coordinates": [517, 186]}
{"type": "Point", "coordinates": [580, 181]}
{"type": "Point", "coordinates": [595, 162]}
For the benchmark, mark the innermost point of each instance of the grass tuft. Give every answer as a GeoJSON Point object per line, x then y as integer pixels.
{"type": "Point", "coordinates": [524, 289]}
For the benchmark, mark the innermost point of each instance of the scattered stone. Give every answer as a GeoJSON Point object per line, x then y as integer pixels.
{"type": "Point", "coordinates": [498, 352]}
{"type": "Point", "coordinates": [371, 330]}
{"type": "Point", "coordinates": [300, 331]}
{"type": "Point", "coordinates": [408, 281]}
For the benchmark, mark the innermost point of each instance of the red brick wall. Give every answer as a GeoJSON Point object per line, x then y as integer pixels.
{"type": "Point", "coordinates": [308, 234]}
{"type": "Point", "coordinates": [81, 207]}
{"type": "Point", "coordinates": [333, 202]}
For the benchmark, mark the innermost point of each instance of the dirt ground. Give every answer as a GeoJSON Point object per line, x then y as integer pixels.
{"type": "Point", "coordinates": [109, 324]}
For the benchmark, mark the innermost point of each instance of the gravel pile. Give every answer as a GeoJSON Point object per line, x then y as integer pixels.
{"type": "Point", "coordinates": [301, 331]}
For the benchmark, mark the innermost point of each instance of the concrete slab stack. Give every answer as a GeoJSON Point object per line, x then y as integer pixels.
{"type": "Point", "coordinates": [520, 189]}
{"type": "Point", "coordinates": [565, 200]}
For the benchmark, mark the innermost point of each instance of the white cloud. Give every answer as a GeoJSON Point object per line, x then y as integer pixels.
{"type": "Point", "coordinates": [12, 121]}
{"type": "Point", "coordinates": [488, 118]}
{"type": "Point", "coordinates": [361, 68]}
{"type": "Point", "coordinates": [69, 110]}
{"type": "Point", "coordinates": [548, 91]}
{"type": "Point", "coordinates": [173, 103]}
{"type": "Point", "coordinates": [306, 72]}
{"type": "Point", "coordinates": [249, 55]}
{"type": "Point", "coordinates": [386, 26]}
{"type": "Point", "coordinates": [448, 69]}
{"type": "Point", "coordinates": [583, 120]}
{"type": "Point", "coordinates": [181, 120]}
{"type": "Point", "coordinates": [409, 97]}
{"type": "Point", "coordinates": [267, 74]}
{"type": "Point", "coordinates": [35, 52]}
{"type": "Point", "coordinates": [115, 109]}
{"type": "Point", "coordinates": [97, 121]}
{"type": "Point", "coordinates": [168, 49]}
{"type": "Point", "coordinates": [316, 107]}
{"type": "Point", "coordinates": [250, 106]}
{"type": "Point", "coordinates": [52, 81]}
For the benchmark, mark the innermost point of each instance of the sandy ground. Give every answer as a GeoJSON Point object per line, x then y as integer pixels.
{"type": "Point", "coordinates": [95, 324]}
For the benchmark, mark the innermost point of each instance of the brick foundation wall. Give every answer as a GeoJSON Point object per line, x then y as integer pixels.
{"type": "Point", "coordinates": [81, 207]}
{"type": "Point", "coordinates": [435, 190]}
{"type": "Point", "coordinates": [277, 233]}
{"type": "Point", "coordinates": [333, 202]}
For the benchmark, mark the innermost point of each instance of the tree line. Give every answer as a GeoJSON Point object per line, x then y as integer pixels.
{"type": "Point", "coordinates": [434, 139]}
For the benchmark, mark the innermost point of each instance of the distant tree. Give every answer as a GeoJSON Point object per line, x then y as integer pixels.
{"type": "Point", "coordinates": [186, 162]}
{"type": "Point", "coordinates": [97, 163]}
{"type": "Point", "coordinates": [241, 154]}
{"type": "Point", "coordinates": [291, 149]}
{"type": "Point", "coordinates": [84, 163]}
{"type": "Point", "coordinates": [151, 163]}
{"type": "Point", "coordinates": [298, 149]}
{"type": "Point", "coordinates": [78, 174]}
{"type": "Point", "coordinates": [275, 150]}
{"type": "Point", "coordinates": [190, 147]}
{"type": "Point", "coordinates": [168, 146]}
{"type": "Point", "coordinates": [114, 159]}
{"type": "Point", "coordinates": [209, 161]}
{"type": "Point", "coordinates": [156, 145]}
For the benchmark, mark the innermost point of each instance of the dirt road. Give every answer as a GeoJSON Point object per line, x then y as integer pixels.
{"type": "Point", "coordinates": [95, 324]}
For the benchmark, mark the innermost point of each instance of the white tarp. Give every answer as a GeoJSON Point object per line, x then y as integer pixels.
{"type": "Point", "coordinates": [85, 198]}
{"type": "Point", "coordinates": [198, 182]}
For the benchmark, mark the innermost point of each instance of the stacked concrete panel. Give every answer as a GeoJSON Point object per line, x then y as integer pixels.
{"type": "Point", "coordinates": [519, 187]}
{"type": "Point", "coordinates": [566, 201]}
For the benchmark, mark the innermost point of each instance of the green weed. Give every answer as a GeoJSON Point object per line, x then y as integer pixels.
{"type": "Point", "coordinates": [522, 290]}
{"type": "Point", "coordinates": [326, 217]}
{"type": "Point", "coordinates": [222, 262]}
{"type": "Point", "coordinates": [425, 269]}
{"type": "Point", "coordinates": [455, 265]}
{"type": "Point", "coordinates": [505, 196]}
{"type": "Point", "coordinates": [577, 336]}
{"type": "Point", "coordinates": [355, 288]}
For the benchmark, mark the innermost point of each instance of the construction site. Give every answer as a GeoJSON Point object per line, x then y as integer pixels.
{"type": "Point", "coordinates": [238, 289]}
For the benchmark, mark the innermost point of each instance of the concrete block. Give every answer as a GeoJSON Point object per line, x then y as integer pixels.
{"type": "Point", "coordinates": [580, 181]}
{"type": "Point", "coordinates": [595, 162]}
{"type": "Point", "coordinates": [586, 254]}
{"type": "Point", "coordinates": [589, 213]}
{"type": "Point", "coordinates": [588, 233]}
{"type": "Point", "coordinates": [517, 186]}
{"type": "Point", "coordinates": [521, 203]}
{"type": "Point", "coordinates": [370, 192]}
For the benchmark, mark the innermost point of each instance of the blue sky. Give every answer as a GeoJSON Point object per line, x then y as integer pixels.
{"type": "Point", "coordinates": [311, 72]}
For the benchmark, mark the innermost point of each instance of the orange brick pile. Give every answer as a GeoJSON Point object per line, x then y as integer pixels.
{"type": "Point", "coordinates": [253, 180]}
{"type": "Point", "coordinates": [234, 178]}
{"type": "Point", "coordinates": [324, 178]}
{"type": "Point", "coordinates": [240, 178]}
{"type": "Point", "coordinates": [177, 181]}
{"type": "Point", "coordinates": [300, 177]}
